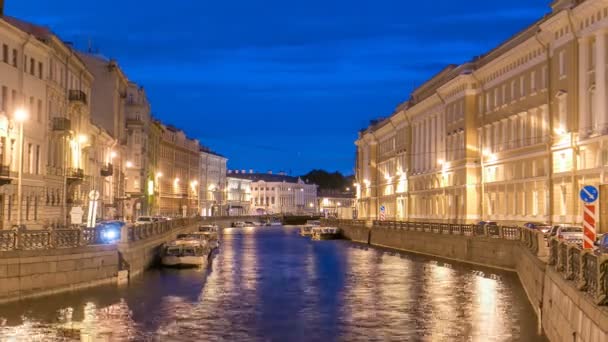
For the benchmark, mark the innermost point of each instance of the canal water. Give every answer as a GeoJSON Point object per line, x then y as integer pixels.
{"type": "Point", "coordinates": [270, 284]}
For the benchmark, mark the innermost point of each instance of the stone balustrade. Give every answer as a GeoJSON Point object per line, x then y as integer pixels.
{"type": "Point", "coordinates": [586, 269]}
{"type": "Point", "coordinates": [11, 240]}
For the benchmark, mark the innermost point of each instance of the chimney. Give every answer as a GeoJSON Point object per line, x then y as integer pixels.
{"type": "Point", "coordinates": [229, 171]}
{"type": "Point", "coordinates": [236, 171]}
{"type": "Point", "coordinates": [269, 172]}
{"type": "Point", "coordinates": [1, 8]}
{"type": "Point", "coordinates": [250, 171]}
{"type": "Point", "coordinates": [243, 171]}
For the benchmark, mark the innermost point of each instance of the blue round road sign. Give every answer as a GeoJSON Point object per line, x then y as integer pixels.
{"type": "Point", "coordinates": [589, 194]}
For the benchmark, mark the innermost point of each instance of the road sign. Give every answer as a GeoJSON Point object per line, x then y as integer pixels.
{"type": "Point", "coordinates": [76, 215]}
{"type": "Point", "coordinates": [382, 209]}
{"type": "Point", "coordinates": [589, 226]}
{"type": "Point", "coordinates": [382, 213]}
{"type": "Point", "coordinates": [93, 195]}
{"type": "Point", "coordinates": [589, 194]}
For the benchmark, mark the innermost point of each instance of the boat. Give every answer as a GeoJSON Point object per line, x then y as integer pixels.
{"type": "Point", "coordinates": [306, 230]}
{"type": "Point", "coordinates": [189, 250]}
{"type": "Point", "coordinates": [252, 224]}
{"type": "Point", "coordinates": [238, 224]}
{"type": "Point", "coordinates": [209, 229]}
{"type": "Point", "coordinates": [273, 222]}
{"type": "Point", "coordinates": [325, 233]}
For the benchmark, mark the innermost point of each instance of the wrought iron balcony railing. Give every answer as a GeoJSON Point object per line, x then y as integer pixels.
{"type": "Point", "coordinates": [61, 124]}
{"type": "Point", "coordinates": [77, 96]}
{"type": "Point", "coordinates": [107, 170]}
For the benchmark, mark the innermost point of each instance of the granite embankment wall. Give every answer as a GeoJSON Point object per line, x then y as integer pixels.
{"type": "Point", "coordinates": [566, 313]}
{"type": "Point", "coordinates": [27, 274]}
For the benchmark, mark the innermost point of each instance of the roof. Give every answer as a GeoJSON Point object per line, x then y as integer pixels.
{"type": "Point", "coordinates": [40, 32]}
{"type": "Point", "coordinates": [266, 177]}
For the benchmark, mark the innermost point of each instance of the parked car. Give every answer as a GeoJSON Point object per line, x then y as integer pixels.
{"type": "Point", "coordinates": [110, 230]}
{"type": "Point", "coordinates": [601, 243]}
{"type": "Point", "coordinates": [540, 226]}
{"type": "Point", "coordinates": [144, 220]}
{"type": "Point", "coordinates": [568, 233]}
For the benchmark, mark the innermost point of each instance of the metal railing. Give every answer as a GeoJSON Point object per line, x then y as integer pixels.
{"type": "Point", "coordinates": [587, 269]}
{"type": "Point", "coordinates": [142, 232]}
{"type": "Point", "coordinates": [11, 240]}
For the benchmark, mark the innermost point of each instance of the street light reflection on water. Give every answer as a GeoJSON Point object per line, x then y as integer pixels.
{"type": "Point", "coordinates": [271, 284]}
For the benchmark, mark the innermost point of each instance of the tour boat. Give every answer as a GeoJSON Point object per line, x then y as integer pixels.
{"type": "Point", "coordinates": [325, 233]}
{"type": "Point", "coordinates": [273, 222]}
{"type": "Point", "coordinates": [189, 250]}
{"type": "Point", "coordinates": [238, 224]}
{"type": "Point", "coordinates": [306, 230]}
{"type": "Point", "coordinates": [209, 229]}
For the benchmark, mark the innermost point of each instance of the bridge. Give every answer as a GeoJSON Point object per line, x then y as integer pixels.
{"type": "Point", "coordinates": [566, 285]}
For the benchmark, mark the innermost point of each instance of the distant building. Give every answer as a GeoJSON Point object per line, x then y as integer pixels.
{"type": "Point", "coordinates": [338, 204]}
{"type": "Point", "coordinates": [212, 190]}
{"type": "Point", "coordinates": [279, 193]}
{"type": "Point", "coordinates": [238, 196]}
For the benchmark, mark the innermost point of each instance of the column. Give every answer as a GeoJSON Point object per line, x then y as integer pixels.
{"type": "Point", "coordinates": [433, 137]}
{"type": "Point", "coordinates": [583, 106]}
{"type": "Point", "coordinates": [600, 80]}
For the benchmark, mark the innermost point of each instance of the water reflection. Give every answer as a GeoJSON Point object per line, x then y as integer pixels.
{"type": "Point", "coordinates": [271, 284]}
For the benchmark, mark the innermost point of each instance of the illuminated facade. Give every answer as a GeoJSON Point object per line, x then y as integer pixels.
{"type": "Point", "coordinates": [213, 191]}
{"type": "Point", "coordinates": [179, 167]}
{"type": "Point", "coordinates": [279, 193]}
{"type": "Point", "coordinates": [238, 196]}
{"type": "Point", "coordinates": [510, 136]}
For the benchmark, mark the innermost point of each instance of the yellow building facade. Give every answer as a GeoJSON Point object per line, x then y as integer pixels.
{"type": "Point", "coordinates": [510, 136]}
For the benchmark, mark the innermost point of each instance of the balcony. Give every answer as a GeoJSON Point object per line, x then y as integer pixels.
{"type": "Point", "coordinates": [107, 170]}
{"type": "Point", "coordinates": [74, 175]}
{"type": "Point", "coordinates": [61, 124]}
{"type": "Point", "coordinates": [5, 175]}
{"type": "Point", "coordinates": [77, 96]}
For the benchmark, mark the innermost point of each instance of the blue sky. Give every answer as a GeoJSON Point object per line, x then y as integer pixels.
{"type": "Point", "coordinates": [281, 85]}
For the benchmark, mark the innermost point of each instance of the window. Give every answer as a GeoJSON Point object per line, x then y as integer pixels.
{"type": "Point", "coordinates": [4, 99]}
{"type": "Point", "coordinates": [562, 63]}
{"type": "Point", "coordinates": [39, 69]}
{"type": "Point", "coordinates": [533, 82]}
{"type": "Point", "coordinates": [32, 66]}
{"type": "Point", "coordinates": [15, 54]}
{"type": "Point", "coordinates": [522, 89]}
{"type": "Point", "coordinates": [5, 53]}
{"type": "Point", "coordinates": [513, 95]}
{"type": "Point", "coordinates": [37, 160]}
{"type": "Point", "coordinates": [39, 111]}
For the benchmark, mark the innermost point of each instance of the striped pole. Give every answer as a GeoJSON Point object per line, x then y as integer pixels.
{"type": "Point", "coordinates": [589, 219]}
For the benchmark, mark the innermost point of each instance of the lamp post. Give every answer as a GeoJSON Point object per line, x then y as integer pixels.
{"type": "Point", "coordinates": [158, 176]}
{"type": "Point", "coordinates": [194, 184]}
{"type": "Point", "coordinates": [20, 116]}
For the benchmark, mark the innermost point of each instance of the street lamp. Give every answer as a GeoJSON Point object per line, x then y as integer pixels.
{"type": "Point", "coordinates": [129, 164]}
{"type": "Point", "coordinates": [158, 175]}
{"type": "Point", "coordinates": [20, 116]}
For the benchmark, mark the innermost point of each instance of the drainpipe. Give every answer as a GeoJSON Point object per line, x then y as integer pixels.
{"type": "Point", "coordinates": [481, 156]}
{"type": "Point", "coordinates": [572, 143]}
{"type": "Point", "coordinates": [549, 199]}
{"type": "Point", "coordinates": [64, 208]}
{"type": "Point", "coordinates": [442, 99]}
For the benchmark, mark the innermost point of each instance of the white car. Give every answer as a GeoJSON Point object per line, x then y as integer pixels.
{"type": "Point", "coordinates": [570, 234]}
{"type": "Point", "coordinates": [144, 220]}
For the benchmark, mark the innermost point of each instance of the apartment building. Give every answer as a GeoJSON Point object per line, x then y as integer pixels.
{"type": "Point", "coordinates": [179, 172]}
{"type": "Point", "coordinates": [238, 196]}
{"type": "Point", "coordinates": [510, 136]}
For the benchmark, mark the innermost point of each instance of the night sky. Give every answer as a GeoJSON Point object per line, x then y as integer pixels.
{"type": "Point", "coordinates": [281, 85]}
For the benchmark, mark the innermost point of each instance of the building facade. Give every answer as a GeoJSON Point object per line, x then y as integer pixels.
{"type": "Point", "coordinates": [279, 193]}
{"type": "Point", "coordinates": [179, 173]}
{"type": "Point", "coordinates": [213, 191]}
{"type": "Point", "coordinates": [510, 136]}
{"type": "Point", "coordinates": [238, 196]}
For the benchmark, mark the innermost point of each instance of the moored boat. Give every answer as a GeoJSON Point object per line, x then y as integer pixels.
{"type": "Point", "coordinates": [306, 230]}
{"type": "Point", "coordinates": [189, 250]}
{"type": "Point", "coordinates": [325, 233]}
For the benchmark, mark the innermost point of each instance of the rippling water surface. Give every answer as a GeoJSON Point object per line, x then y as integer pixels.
{"type": "Point", "coordinates": [270, 284]}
